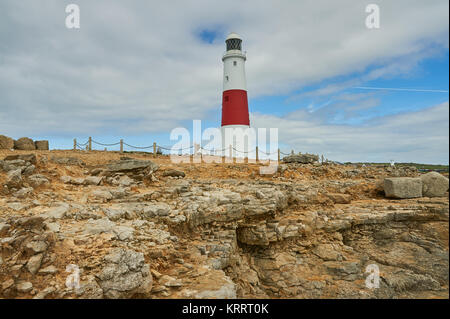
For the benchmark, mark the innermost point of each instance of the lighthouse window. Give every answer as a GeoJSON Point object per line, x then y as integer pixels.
{"type": "Point", "coordinates": [226, 98]}
{"type": "Point", "coordinates": [234, 63]}
{"type": "Point", "coordinates": [233, 44]}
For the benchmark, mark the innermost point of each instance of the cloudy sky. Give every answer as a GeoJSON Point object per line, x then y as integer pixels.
{"type": "Point", "coordinates": [138, 69]}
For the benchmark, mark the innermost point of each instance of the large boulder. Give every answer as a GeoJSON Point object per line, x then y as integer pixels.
{"type": "Point", "coordinates": [301, 158]}
{"type": "Point", "coordinates": [403, 187]}
{"type": "Point", "coordinates": [41, 145]}
{"type": "Point", "coordinates": [25, 144]}
{"type": "Point", "coordinates": [434, 184]}
{"type": "Point", "coordinates": [6, 142]}
{"type": "Point", "coordinates": [125, 275]}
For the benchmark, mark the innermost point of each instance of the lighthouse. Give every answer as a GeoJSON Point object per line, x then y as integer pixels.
{"type": "Point", "coordinates": [234, 97]}
{"type": "Point", "coordinates": [235, 116]}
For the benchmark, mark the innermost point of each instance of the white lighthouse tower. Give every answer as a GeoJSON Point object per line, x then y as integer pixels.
{"type": "Point", "coordinates": [234, 98]}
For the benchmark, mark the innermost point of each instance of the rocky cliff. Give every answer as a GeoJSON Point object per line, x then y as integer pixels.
{"type": "Point", "coordinates": [100, 225]}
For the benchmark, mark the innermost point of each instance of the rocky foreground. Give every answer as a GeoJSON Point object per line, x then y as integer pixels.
{"type": "Point", "coordinates": [142, 227]}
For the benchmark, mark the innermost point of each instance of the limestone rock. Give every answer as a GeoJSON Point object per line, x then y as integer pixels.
{"type": "Point", "coordinates": [158, 209]}
{"type": "Point", "coordinates": [4, 227]}
{"type": "Point", "coordinates": [125, 275]}
{"type": "Point", "coordinates": [53, 227]}
{"type": "Point", "coordinates": [14, 178]}
{"type": "Point", "coordinates": [169, 281]}
{"type": "Point", "coordinates": [48, 270]}
{"type": "Point", "coordinates": [93, 180]}
{"type": "Point", "coordinates": [34, 263]}
{"type": "Point", "coordinates": [327, 252]}
{"type": "Point", "coordinates": [130, 165]}
{"type": "Point", "coordinates": [6, 142]}
{"type": "Point", "coordinates": [25, 144]}
{"type": "Point", "coordinates": [301, 158]}
{"type": "Point", "coordinates": [24, 287]}
{"type": "Point", "coordinates": [44, 293]}
{"type": "Point", "coordinates": [102, 195]}
{"type": "Point", "coordinates": [37, 246]}
{"type": "Point", "coordinates": [434, 184]}
{"type": "Point", "coordinates": [340, 198]}
{"type": "Point", "coordinates": [403, 187]}
{"type": "Point", "coordinates": [67, 160]}
{"type": "Point", "coordinates": [41, 145]}
{"type": "Point", "coordinates": [174, 173]}
{"type": "Point", "coordinates": [89, 289]}
{"type": "Point", "coordinates": [12, 165]}
{"type": "Point", "coordinates": [31, 158]}
{"type": "Point", "coordinates": [23, 192]}
{"type": "Point", "coordinates": [37, 180]}
{"type": "Point", "coordinates": [57, 212]}
{"type": "Point", "coordinates": [98, 226]}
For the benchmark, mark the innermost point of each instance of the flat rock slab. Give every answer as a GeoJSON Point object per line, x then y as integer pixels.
{"type": "Point", "coordinates": [130, 165]}
{"type": "Point", "coordinates": [66, 160]}
{"type": "Point", "coordinates": [403, 187]}
{"type": "Point", "coordinates": [24, 157]}
{"type": "Point", "coordinates": [301, 158]}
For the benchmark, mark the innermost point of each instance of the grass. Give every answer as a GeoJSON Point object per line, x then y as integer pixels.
{"type": "Point", "coordinates": [430, 167]}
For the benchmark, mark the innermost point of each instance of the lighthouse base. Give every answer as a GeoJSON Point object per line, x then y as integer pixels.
{"type": "Point", "coordinates": [238, 141]}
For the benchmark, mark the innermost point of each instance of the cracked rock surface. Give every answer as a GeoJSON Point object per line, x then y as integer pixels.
{"type": "Point", "coordinates": [143, 227]}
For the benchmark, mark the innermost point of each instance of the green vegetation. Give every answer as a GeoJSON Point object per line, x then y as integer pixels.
{"type": "Point", "coordinates": [433, 167]}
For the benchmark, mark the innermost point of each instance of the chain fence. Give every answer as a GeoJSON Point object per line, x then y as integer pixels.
{"type": "Point", "coordinates": [157, 149]}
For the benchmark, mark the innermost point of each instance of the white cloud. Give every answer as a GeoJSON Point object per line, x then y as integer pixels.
{"type": "Point", "coordinates": [139, 67]}
{"type": "Point", "coordinates": [420, 136]}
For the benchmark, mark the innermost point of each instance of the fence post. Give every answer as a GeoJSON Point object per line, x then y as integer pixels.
{"type": "Point", "coordinates": [90, 144]}
{"type": "Point", "coordinates": [257, 154]}
{"type": "Point", "coordinates": [154, 149]}
{"type": "Point", "coordinates": [74, 144]}
{"type": "Point", "coordinates": [279, 157]}
{"type": "Point", "coordinates": [121, 146]}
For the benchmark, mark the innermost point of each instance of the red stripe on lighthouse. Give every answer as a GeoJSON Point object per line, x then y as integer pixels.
{"type": "Point", "coordinates": [235, 108]}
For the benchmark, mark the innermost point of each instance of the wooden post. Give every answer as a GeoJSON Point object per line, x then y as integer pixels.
{"type": "Point", "coordinates": [279, 157]}
{"type": "Point", "coordinates": [154, 149]}
{"type": "Point", "coordinates": [90, 144]}
{"type": "Point", "coordinates": [257, 154]}
{"type": "Point", "coordinates": [74, 144]}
